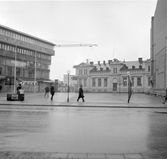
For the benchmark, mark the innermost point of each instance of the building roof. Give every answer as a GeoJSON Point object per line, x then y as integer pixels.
{"type": "Point", "coordinates": [28, 35]}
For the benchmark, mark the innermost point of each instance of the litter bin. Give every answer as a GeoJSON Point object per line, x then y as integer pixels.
{"type": "Point", "coordinates": [21, 95]}
{"type": "Point", "coordinates": [16, 97]}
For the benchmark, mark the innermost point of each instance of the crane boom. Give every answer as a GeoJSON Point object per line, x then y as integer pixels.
{"type": "Point", "coordinates": [76, 45]}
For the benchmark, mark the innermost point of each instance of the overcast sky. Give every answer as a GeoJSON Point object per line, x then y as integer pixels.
{"type": "Point", "coordinates": [120, 28]}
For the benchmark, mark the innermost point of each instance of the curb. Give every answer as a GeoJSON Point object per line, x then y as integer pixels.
{"type": "Point", "coordinates": [84, 106]}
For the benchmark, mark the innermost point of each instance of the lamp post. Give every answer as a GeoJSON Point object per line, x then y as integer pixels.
{"type": "Point", "coordinates": [68, 72]}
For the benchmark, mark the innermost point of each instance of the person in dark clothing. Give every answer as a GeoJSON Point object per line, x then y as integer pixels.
{"type": "Point", "coordinates": [46, 92]}
{"type": "Point", "coordinates": [52, 92]}
{"type": "Point", "coordinates": [165, 96]}
{"type": "Point", "coordinates": [18, 88]}
{"type": "Point", "coordinates": [0, 88]}
{"type": "Point", "coordinates": [81, 94]}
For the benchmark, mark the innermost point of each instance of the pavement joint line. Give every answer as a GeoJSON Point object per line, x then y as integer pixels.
{"type": "Point", "coordinates": [86, 106]}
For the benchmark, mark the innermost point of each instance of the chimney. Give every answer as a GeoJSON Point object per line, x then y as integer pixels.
{"type": "Point", "coordinates": [109, 61]}
{"type": "Point", "coordinates": [98, 62]}
{"type": "Point", "coordinates": [140, 60]}
{"type": "Point", "coordinates": [91, 63]}
{"type": "Point", "coordinates": [104, 63]}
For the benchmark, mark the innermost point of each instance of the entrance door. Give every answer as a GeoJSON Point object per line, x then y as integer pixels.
{"type": "Point", "coordinates": [114, 87]}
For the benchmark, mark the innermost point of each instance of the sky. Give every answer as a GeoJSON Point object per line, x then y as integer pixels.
{"type": "Point", "coordinates": [120, 28]}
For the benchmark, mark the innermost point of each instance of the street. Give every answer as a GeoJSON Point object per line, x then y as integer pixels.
{"type": "Point", "coordinates": [83, 130]}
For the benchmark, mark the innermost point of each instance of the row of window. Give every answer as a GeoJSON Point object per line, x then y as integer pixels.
{"type": "Point", "coordinates": [17, 36]}
{"type": "Point", "coordinates": [23, 51]}
{"type": "Point", "coordinates": [105, 83]}
{"type": "Point", "coordinates": [83, 72]}
{"type": "Point", "coordinates": [8, 62]}
{"type": "Point", "coordinates": [20, 72]}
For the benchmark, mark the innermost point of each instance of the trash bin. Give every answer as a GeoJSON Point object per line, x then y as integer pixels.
{"type": "Point", "coordinates": [16, 96]}
{"type": "Point", "coordinates": [21, 95]}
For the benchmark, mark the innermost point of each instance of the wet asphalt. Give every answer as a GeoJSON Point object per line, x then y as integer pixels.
{"type": "Point", "coordinates": [85, 129]}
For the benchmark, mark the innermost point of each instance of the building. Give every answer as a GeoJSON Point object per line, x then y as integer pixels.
{"type": "Point", "coordinates": [113, 77]}
{"type": "Point", "coordinates": [159, 47]}
{"type": "Point", "coordinates": [72, 81]}
{"type": "Point", "coordinates": [24, 58]}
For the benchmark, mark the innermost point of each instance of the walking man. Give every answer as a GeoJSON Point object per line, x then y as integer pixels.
{"type": "Point", "coordinates": [165, 96]}
{"type": "Point", "coordinates": [52, 92]}
{"type": "Point", "coordinates": [81, 94]}
{"type": "Point", "coordinates": [46, 91]}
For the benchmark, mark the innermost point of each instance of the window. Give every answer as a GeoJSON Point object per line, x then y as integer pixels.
{"type": "Point", "coordinates": [125, 81]}
{"type": "Point", "coordinates": [31, 73]}
{"type": "Point", "coordinates": [85, 71]}
{"type": "Point", "coordinates": [114, 70]}
{"type": "Point", "coordinates": [93, 83]}
{"type": "Point", "coordinates": [80, 72]}
{"type": "Point", "coordinates": [139, 81]}
{"type": "Point", "coordinates": [85, 83]}
{"type": "Point", "coordinates": [99, 82]}
{"type": "Point", "coordinates": [18, 72]}
{"type": "Point", "coordinates": [148, 68]}
{"type": "Point", "coordinates": [132, 80]}
{"type": "Point", "coordinates": [105, 82]}
{"type": "Point", "coordinates": [80, 81]}
{"type": "Point", "coordinates": [9, 71]}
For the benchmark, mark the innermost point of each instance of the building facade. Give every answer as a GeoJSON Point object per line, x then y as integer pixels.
{"type": "Point", "coordinates": [113, 76]}
{"type": "Point", "coordinates": [159, 47]}
{"type": "Point", "coordinates": [24, 58]}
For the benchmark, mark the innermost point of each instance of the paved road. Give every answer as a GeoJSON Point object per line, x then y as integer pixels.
{"type": "Point", "coordinates": [83, 130]}
{"type": "Point", "coordinates": [103, 127]}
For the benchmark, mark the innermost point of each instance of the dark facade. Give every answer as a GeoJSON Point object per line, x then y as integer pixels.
{"type": "Point", "coordinates": [24, 58]}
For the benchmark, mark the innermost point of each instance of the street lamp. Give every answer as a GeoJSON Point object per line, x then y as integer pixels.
{"type": "Point", "coordinates": [68, 72]}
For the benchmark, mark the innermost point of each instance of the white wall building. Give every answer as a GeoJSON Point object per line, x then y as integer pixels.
{"type": "Point", "coordinates": [112, 76]}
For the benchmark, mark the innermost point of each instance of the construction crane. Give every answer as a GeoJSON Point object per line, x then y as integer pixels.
{"type": "Point", "coordinates": [75, 45]}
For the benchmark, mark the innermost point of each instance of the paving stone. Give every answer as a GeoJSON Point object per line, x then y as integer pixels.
{"type": "Point", "coordinates": [96, 156]}
{"type": "Point", "coordinates": [151, 156]}
{"type": "Point", "coordinates": [115, 156]}
{"type": "Point", "coordinates": [39, 155]}
{"type": "Point", "coordinates": [58, 155]}
{"type": "Point", "coordinates": [11, 155]}
{"type": "Point", "coordinates": [2, 153]}
{"type": "Point", "coordinates": [133, 156]}
{"type": "Point", "coordinates": [77, 156]}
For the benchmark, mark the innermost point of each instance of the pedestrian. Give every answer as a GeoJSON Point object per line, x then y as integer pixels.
{"type": "Point", "coordinates": [129, 88]}
{"type": "Point", "coordinates": [18, 88]}
{"type": "Point", "coordinates": [165, 96]}
{"type": "Point", "coordinates": [52, 92]}
{"type": "Point", "coordinates": [81, 94]}
{"type": "Point", "coordinates": [46, 92]}
{"type": "Point", "coordinates": [0, 88]}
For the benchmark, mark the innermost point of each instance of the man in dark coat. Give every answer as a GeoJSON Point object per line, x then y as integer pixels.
{"type": "Point", "coordinates": [165, 96]}
{"type": "Point", "coordinates": [52, 92]}
{"type": "Point", "coordinates": [81, 94]}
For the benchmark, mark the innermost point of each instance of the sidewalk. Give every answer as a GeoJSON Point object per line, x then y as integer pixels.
{"type": "Point", "coordinates": [91, 100]}
{"type": "Point", "coordinates": [56, 155]}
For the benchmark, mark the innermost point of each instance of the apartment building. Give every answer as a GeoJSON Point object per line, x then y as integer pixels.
{"type": "Point", "coordinates": [24, 58]}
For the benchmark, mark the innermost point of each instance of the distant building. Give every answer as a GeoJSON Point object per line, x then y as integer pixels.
{"type": "Point", "coordinates": [112, 76]}
{"type": "Point", "coordinates": [26, 56]}
{"type": "Point", "coordinates": [72, 82]}
{"type": "Point", "coordinates": [159, 47]}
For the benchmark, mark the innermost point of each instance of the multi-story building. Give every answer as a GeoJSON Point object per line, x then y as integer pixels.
{"type": "Point", "coordinates": [24, 58]}
{"type": "Point", "coordinates": [113, 76]}
{"type": "Point", "coordinates": [159, 47]}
